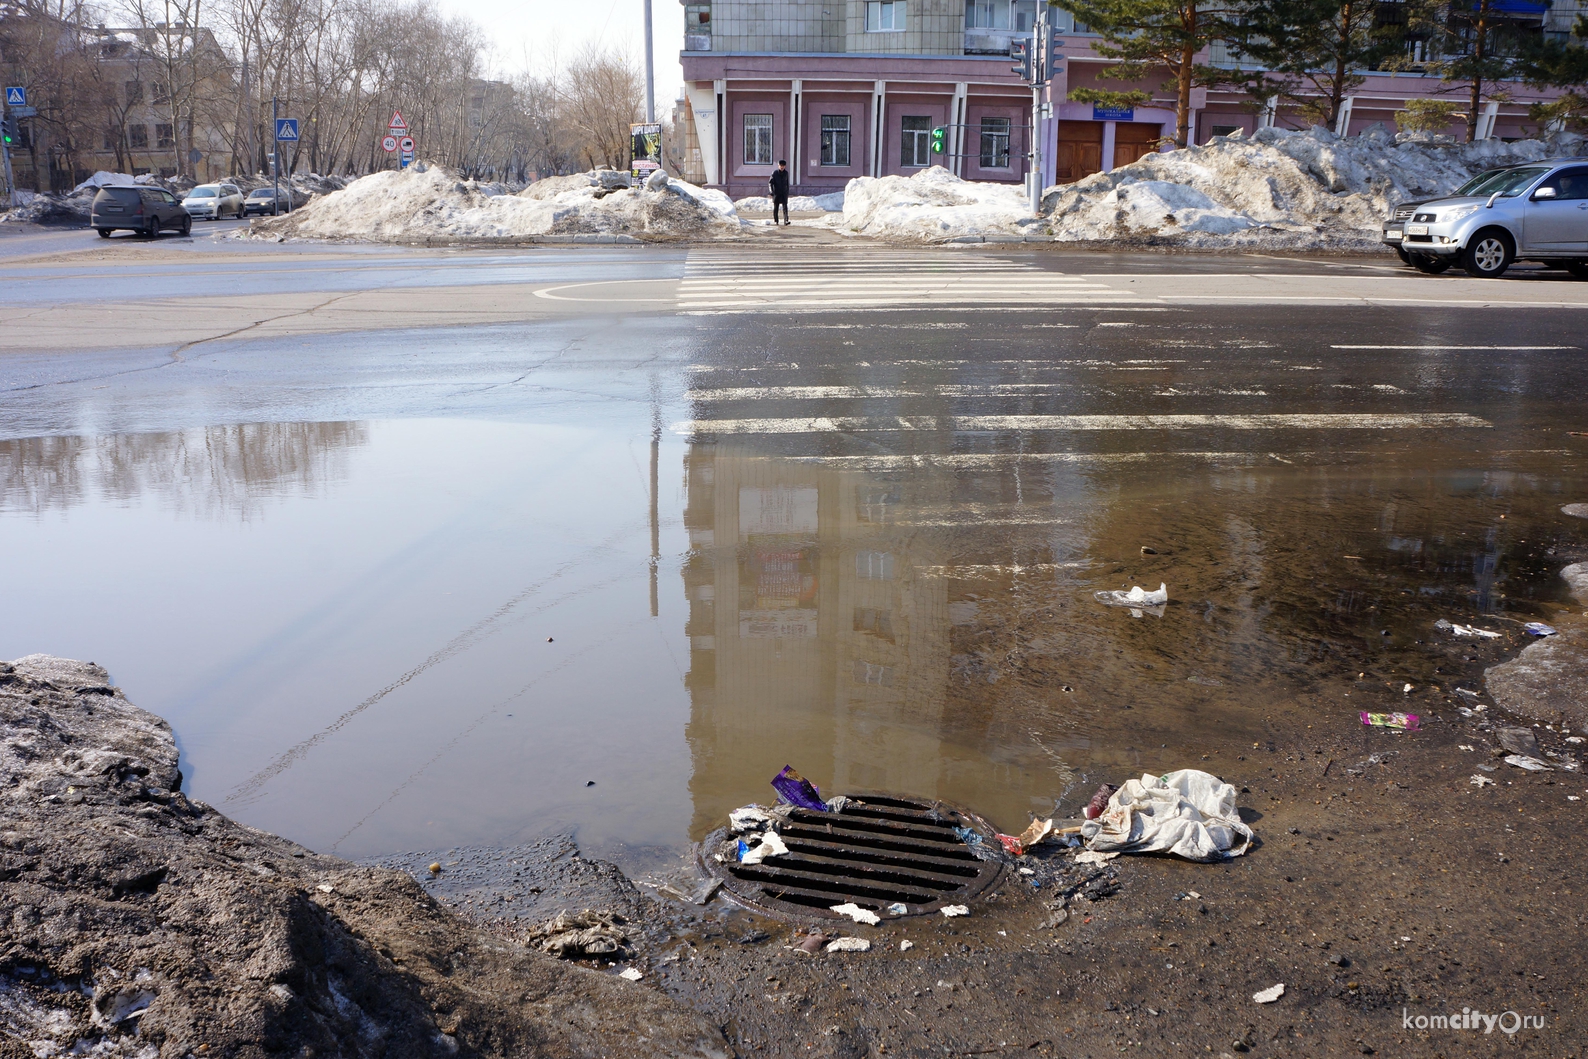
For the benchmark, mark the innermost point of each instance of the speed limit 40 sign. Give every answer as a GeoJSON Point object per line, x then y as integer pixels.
{"type": "Point", "coordinates": [389, 144]}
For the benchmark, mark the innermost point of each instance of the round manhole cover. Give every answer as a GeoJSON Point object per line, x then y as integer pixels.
{"type": "Point", "coordinates": [878, 852]}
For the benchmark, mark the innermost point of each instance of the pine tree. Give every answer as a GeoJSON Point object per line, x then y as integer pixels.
{"type": "Point", "coordinates": [1311, 51]}
{"type": "Point", "coordinates": [1559, 64]}
{"type": "Point", "coordinates": [1143, 34]}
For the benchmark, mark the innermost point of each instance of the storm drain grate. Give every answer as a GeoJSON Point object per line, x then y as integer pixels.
{"type": "Point", "coordinates": [877, 852]}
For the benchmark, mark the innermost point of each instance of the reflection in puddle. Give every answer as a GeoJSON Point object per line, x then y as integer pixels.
{"type": "Point", "coordinates": [419, 634]}
{"type": "Point", "coordinates": [207, 472]}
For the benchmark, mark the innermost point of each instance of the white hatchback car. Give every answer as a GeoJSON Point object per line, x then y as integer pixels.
{"type": "Point", "coordinates": [214, 201]}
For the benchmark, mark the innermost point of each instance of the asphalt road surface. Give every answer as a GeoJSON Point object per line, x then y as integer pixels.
{"type": "Point", "coordinates": [421, 550]}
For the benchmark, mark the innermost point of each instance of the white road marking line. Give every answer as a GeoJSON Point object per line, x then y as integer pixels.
{"type": "Point", "coordinates": [1456, 347]}
{"type": "Point", "coordinates": [1279, 421]}
{"type": "Point", "coordinates": [857, 393]}
{"type": "Point", "coordinates": [991, 460]}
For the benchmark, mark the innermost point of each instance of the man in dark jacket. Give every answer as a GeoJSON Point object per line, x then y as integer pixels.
{"type": "Point", "coordinates": [779, 188]}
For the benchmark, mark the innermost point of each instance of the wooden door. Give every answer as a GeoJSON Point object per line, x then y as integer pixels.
{"type": "Point", "coordinates": [1080, 151]}
{"type": "Point", "coordinates": [1134, 140]}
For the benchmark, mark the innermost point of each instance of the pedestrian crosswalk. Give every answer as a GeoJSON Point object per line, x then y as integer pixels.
{"type": "Point", "coordinates": [722, 281]}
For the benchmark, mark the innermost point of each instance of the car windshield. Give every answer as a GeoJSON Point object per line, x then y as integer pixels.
{"type": "Point", "coordinates": [201, 193]}
{"type": "Point", "coordinates": [262, 193]}
{"type": "Point", "coordinates": [1508, 182]}
{"type": "Point", "coordinates": [1471, 186]}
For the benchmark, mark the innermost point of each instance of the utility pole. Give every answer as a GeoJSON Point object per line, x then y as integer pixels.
{"type": "Point", "coordinates": [5, 149]}
{"type": "Point", "coordinates": [275, 159]}
{"type": "Point", "coordinates": [650, 69]}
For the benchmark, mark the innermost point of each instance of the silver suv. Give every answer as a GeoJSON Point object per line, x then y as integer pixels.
{"type": "Point", "coordinates": [1533, 212]}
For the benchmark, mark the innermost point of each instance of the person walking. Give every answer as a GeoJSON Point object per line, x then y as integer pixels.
{"type": "Point", "coordinates": [778, 184]}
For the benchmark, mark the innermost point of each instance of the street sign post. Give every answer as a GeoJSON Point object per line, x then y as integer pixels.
{"type": "Point", "coordinates": [286, 130]}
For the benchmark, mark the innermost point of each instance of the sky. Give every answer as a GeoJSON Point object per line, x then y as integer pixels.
{"type": "Point", "coordinates": [527, 32]}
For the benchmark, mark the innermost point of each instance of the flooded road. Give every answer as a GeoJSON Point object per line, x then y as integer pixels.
{"type": "Point", "coordinates": [465, 585]}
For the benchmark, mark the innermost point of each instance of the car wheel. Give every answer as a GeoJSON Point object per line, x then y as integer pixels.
{"type": "Point", "coordinates": [1488, 254]}
{"type": "Point", "coordinates": [1578, 269]}
{"type": "Point", "coordinates": [104, 233]}
{"type": "Point", "coordinates": [186, 227]}
{"type": "Point", "coordinates": [1400, 252]}
{"type": "Point", "coordinates": [152, 231]}
{"type": "Point", "coordinates": [1430, 264]}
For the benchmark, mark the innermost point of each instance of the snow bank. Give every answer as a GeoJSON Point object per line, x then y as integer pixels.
{"type": "Point", "coordinates": [932, 206]}
{"type": "Point", "coordinates": [106, 179]}
{"type": "Point", "coordinates": [832, 202]}
{"type": "Point", "coordinates": [1297, 190]}
{"type": "Point", "coordinates": [427, 202]}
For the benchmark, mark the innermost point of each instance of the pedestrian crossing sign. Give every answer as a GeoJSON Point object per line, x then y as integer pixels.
{"type": "Point", "coordinates": [16, 96]}
{"type": "Point", "coordinates": [286, 128]}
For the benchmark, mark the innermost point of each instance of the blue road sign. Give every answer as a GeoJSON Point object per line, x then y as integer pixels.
{"type": "Point", "coordinates": [286, 128]}
{"type": "Point", "coordinates": [16, 96]}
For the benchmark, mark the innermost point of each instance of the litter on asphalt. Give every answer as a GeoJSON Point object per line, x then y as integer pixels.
{"type": "Point", "coordinates": [1403, 722]}
{"type": "Point", "coordinates": [1271, 994]}
{"type": "Point", "coordinates": [1187, 812]}
{"type": "Point", "coordinates": [771, 845]}
{"type": "Point", "coordinates": [858, 914]}
{"type": "Point", "coordinates": [950, 911]}
{"type": "Point", "coordinates": [631, 973]}
{"type": "Point", "coordinates": [1465, 630]}
{"type": "Point", "coordinates": [1538, 628]}
{"type": "Point", "coordinates": [1531, 764]}
{"type": "Point", "coordinates": [849, 945]}
{"type": "Point", "coordinates": [798, 791]}
{"type": "Point", "coordinates": [1137, 597]}
{"type": "Point", "coordinates": [1099, 802]}
{"type": "Point", "coordinates": [748, 818]}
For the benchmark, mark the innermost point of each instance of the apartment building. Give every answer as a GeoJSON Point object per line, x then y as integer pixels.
{"type": "Point", "coordinates": [846, 88]}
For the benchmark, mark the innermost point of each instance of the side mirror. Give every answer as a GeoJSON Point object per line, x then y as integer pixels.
{"type": "Point", "coordinates": [1545, 193]}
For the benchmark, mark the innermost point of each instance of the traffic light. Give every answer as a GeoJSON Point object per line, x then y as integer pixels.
{"type": "Point", "coordinates": [8, 131]}
{"type": "Point", "coordinates": [1020, 52]}
{"type": "Point", "coordinates": [937, 139]}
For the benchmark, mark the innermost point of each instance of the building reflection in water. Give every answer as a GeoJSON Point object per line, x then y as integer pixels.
{"type": "Point", "coordinates": [818, 632]}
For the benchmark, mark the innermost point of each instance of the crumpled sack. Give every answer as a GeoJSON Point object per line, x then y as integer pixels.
{"type": "Point", "coordinates": [1136, 597]}
{"type": "Point", "coordinates": [1188, 813]}
{"type": "Point", "coordinates": [587, 933]}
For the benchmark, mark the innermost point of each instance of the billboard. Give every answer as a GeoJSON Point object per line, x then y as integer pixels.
{"type": "Point", "coordinates": [645, 150]}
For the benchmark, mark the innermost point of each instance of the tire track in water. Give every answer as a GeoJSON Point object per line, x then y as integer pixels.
{"type": "Point", "coordinates": [476, 723]}
{"type": "Point", "coordinates": [480, 631]}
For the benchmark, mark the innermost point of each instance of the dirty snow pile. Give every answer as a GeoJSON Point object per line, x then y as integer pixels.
{"type": "Point", "coordinates": [933, 205]}
{"type": "Point", "coordinates": [426, 202]}
{"type": "Point", "coordinates": [832, 202]}
{"type": "Point", "coordinates": [1282, 189]}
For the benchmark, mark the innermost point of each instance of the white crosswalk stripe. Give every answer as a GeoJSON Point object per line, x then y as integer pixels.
{"type": "Point", "coordinates": [734, 282]}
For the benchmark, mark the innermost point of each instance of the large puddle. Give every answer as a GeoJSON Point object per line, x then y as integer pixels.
{"type": "Point", "coordinates": [416, 634]}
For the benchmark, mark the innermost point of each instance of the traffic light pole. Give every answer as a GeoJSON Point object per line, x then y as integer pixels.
{"type": "Point", "coordinates": [5, 149]}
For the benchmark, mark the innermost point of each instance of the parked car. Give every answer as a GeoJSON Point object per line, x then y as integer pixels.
{"type": "Point", "coordinates": [260, 200]}
{"type": "Point", "coordinates": [214, 201]}
{"type": "Point", "coordinates": [1394, 224]}
{"type": "Point", "coordinates": [147, 210]}
{"type": "Point", "coordinates": [1532, 212]}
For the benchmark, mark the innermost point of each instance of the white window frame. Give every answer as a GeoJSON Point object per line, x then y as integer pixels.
{"type": "Point", "coordinates": [832, 136]}
{"type": "Point", "coordinates": [918, 141]}
{"type": "Point", "coordinates": [993, 134]}
{"type": "Point", "coordinates": [1015, 8]}
{"type": "Point", "coordinates": [987, 14]}
{"type": "Point", "coordinates": [759, 144]}
{"type": "Point", "coordinates": [874, 566]}
{"type": "Point", "coordinates": [885, 16]}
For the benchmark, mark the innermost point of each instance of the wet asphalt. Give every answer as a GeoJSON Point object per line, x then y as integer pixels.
{"type": "Point", "coordinates": [439, 549]}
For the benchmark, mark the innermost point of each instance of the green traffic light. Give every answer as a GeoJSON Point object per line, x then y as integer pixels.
{"type": "Point", "coordinates": [937, 141]}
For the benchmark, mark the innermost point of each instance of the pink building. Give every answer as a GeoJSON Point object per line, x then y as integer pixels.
{"type": "Point", "coordinates": [848, 88]}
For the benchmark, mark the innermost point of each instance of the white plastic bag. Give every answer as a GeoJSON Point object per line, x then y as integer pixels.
{"type": "Point", "coordinates": [1188, 813]}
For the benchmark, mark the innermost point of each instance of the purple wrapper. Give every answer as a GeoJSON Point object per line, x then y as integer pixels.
{"type": "Point", "coordinates": [797, 790]}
